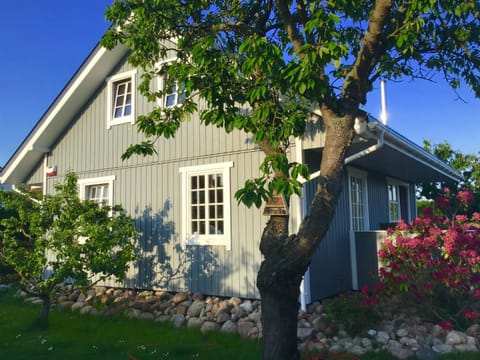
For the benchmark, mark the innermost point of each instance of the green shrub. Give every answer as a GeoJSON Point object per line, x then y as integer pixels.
{"type": "Point", "coordinates": [348, 310]}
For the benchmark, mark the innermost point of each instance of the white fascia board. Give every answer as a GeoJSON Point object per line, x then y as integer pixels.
{"type": "Point", "coordinates": [32, 141]}
{"type": "Point", "coordinates": [407, 147]}
{"type": "Point", "coordinates": [424, 157]}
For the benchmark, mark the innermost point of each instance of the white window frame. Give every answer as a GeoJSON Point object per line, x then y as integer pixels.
{"type": "Point", "coordinates": [396, 185]}
{"type": "Point", "coordinates": [111, 92]}
{"type": "Point", "coordinates": [362, 175]}
{"type": "Point", "coordinates": [82, 186]}
{"type": "Point", "coordinates": [162, 102]}
{"type": "Point", "coordinates": [84, 183]}
{"type": "Point", "coordinates": [188, 238]}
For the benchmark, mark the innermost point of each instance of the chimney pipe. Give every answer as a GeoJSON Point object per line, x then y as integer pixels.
{"type": "Point", "coordinates": [383, 96]}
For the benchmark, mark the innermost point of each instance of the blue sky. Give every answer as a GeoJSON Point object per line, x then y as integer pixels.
{"type": "Point", "coordinates": [44, 42]}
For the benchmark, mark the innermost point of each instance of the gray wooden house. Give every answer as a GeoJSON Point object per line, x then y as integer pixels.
{"type": "Point", "coordinates": [192, 233]}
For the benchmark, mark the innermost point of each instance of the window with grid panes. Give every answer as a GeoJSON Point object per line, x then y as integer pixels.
{"type": "Point", "coordinates": [358, 200]}
{"type": "Point", "coordinates": [175, 94]}
{"type": "Point", "coordinates": [393, 202]}
{"type": "Point", "coordinates": [206, 214]}
{"type": "Point", "coordinates": [97, 193]}
{"type": "Point", "coordinates": [207, 204]}
{"type": "Point", "coordinates": [121, 98]}
{"type": "Point", "coordinates": [98, 189]}
{"type": "Point", "coordinates": [122, 103]}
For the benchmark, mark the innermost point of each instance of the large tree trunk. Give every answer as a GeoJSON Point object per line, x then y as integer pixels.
{"type": "Point", "coordinates": [279, 293]}
{"type": "Point", "coordinates": [279, 319]}
{"type": "Point", "coordinates": [288, 257]}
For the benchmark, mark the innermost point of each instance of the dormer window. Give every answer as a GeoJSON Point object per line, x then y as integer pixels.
{"type": "Point", "coordinates": [121, 98]}
{"type": "Point", "coordinates": [173, 91]}
{"type": "Point", "coordinates": [122, 102]}
{"type": "Point", "coordinates": [175, 94]}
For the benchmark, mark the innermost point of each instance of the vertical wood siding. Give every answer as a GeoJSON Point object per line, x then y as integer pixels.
{"type": "Point", "coordinates": [330, 269]}
{"type": "Point", "coordinates": [412, 199]}
{"type": "Point", "coordinates": [149, 188]}
{"type": "Point", "coordinates": [377, 200]}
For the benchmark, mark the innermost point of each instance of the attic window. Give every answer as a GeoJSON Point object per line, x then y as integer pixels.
{"type": "Point", "coordinates": [122, 102]}
{"type": "Point", "coordinates": [121, 98]}
{"type": "Point", "coordinates": [173, 91]}
{"type": "Point", "coordinates": [175, 95]}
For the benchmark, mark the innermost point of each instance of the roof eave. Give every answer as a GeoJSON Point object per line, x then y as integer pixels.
{"type": "Point", "coordinates": [407, 147]}
{"type": "Point", "coordinates": [90, 75]}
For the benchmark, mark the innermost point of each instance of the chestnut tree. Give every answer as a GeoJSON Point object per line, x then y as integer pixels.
{"type": "Point", "coordinates": [261, 66]}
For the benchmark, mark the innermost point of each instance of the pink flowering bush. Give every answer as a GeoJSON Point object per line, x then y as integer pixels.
{"type": "Point", "coordinates": [434, 263]}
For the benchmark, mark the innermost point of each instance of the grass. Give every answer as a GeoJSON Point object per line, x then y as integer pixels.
{"type": "Point", "coordinates": [73, 336]}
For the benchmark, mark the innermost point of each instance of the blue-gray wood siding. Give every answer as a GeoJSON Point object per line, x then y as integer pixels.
{"type": "Point", "coordinates": [330, 268]}
{"type": "Point", "coordinates": [149, 188]}
{"type": "Point", "coordinates": [377, 200]}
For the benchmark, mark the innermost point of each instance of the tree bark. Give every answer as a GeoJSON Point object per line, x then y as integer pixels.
{"type": "Point", "coordinates": [279, 293]}
{"type": "Point", "coordinates": [279, 319]}
{"type": "Point", "coordinates": [287, 257]}
{"type": "Point", "coordinates": [286, 260]}
{"type": "Point", "coordinates": [44, 310]}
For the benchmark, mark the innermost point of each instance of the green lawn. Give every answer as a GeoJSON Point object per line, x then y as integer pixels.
{"type": "Point", "coordinates": [73, 337]}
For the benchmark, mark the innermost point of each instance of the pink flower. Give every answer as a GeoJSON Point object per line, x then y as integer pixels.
{"type": "Point", "coordinates": [427, 212]}
{"type": "Point", "coordinates": [369, 301]}
{"type": "Point", "coordinates": [470, 314]}
{"type": "Point", "coordinates": [442, 202]}
{"type": "Point", "coordinates": [476, 216]}
{"type": "Point", "coordinates": [465, 197]}
{"type": "Point", "coordinates": [446, 325]}
{"type": "Point", "coordinates": [428, 286]}
{"type": "Point", "coordinates": [461, 219]}
{"type": "Point", "coordinates": [365, 289]}
{"type": "Point", "coordinates": [402, 225]}
{"type": "Point", "coordinates": [382, 254]}
{"type": "Point", "coordinates": [435, 231]}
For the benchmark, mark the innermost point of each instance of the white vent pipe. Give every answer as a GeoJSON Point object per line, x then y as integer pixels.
{"type": "Point", "coordinates": [383, 96]}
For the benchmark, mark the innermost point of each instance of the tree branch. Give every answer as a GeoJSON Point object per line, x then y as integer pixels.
{"type": "Point", "coordinates": [290, 26]}
{"type": "Point", "coordinates": [356, 83]}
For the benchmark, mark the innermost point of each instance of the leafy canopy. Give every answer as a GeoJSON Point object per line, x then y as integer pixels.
{"type": "Point", "coordinates": [262, 66]}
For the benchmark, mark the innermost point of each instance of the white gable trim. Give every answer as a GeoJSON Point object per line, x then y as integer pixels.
{"type": "Point", "coordinates": [61, 112]}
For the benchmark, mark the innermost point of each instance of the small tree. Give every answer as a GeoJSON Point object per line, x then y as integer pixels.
{"type": "Point", "coordinates": [63, 238]}
{"type": "Point", "coordinates": [6, 272]}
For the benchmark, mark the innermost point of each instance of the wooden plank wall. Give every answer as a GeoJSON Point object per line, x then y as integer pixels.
{"type": "Point", "coordinates": [149, 188]}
